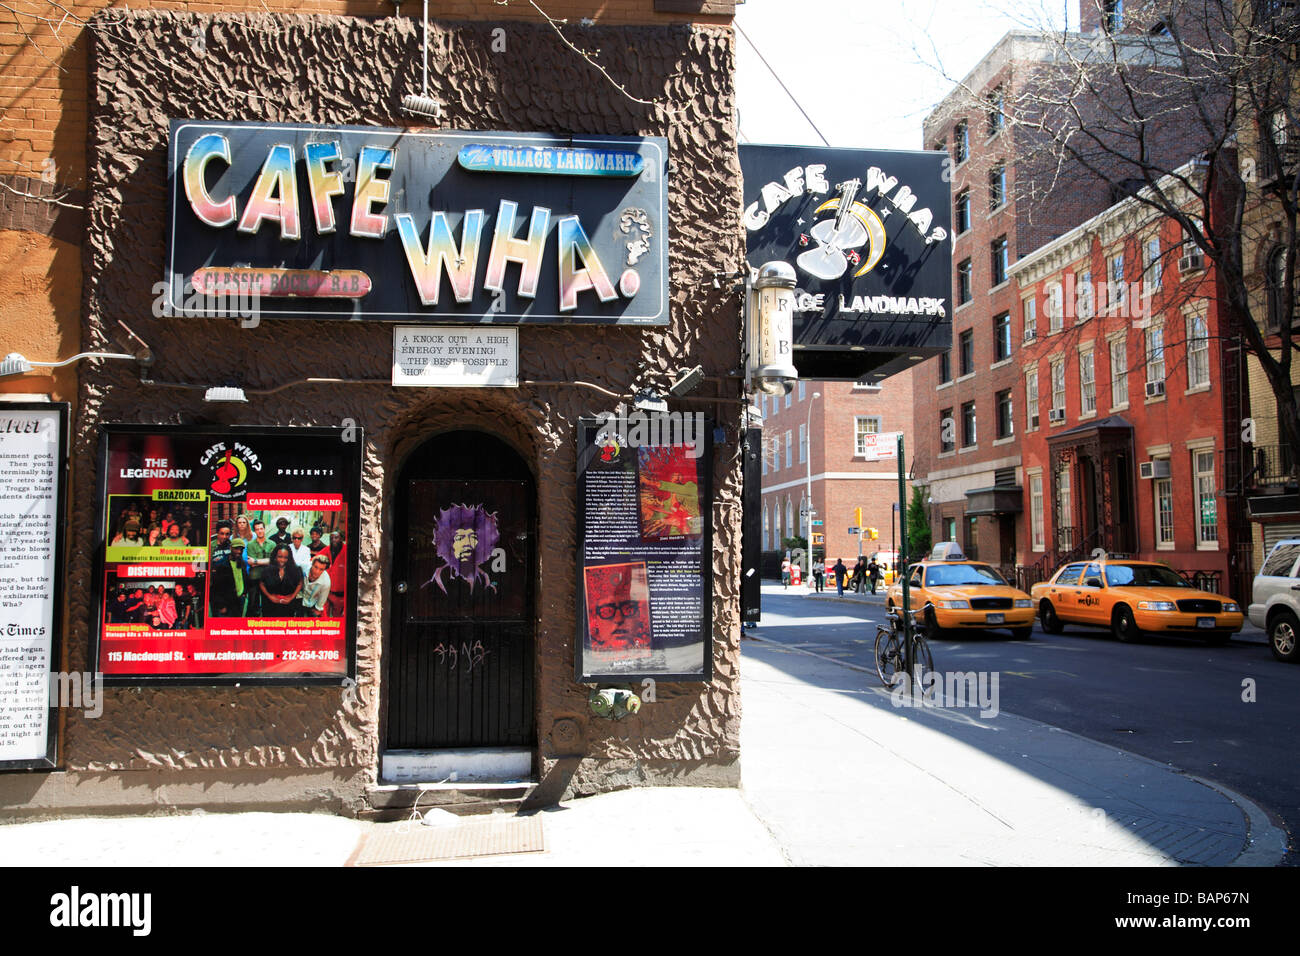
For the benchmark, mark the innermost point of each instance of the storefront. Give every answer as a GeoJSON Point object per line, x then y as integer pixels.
{"type": "Point", "coordinates": [405, 359]}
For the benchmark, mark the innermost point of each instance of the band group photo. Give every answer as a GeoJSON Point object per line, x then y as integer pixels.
{"type": "Point", "coordinates": [276, 564]}
{"type": "Point", "coordinates": [163, 605]}
{"type": "Point", "coordinates": [137, 521]}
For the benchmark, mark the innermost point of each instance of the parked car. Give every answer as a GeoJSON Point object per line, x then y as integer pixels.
{"type": "Point", "coordinates": [954, 594]}
{"type": "Point", "coordinates": [1275, 599]}
{"type": "Point", "coordinates": [1133, 598]}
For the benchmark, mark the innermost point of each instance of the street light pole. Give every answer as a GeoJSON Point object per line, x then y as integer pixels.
{"type": "Point", "coordinates": [807, 437]}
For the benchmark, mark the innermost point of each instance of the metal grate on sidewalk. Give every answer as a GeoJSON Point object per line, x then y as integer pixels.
{"type": "Point", "coordinates": [411, 842]}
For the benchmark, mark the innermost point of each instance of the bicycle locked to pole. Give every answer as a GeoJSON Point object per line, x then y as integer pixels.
{"type": "Point", "coordinates": [891, 651]}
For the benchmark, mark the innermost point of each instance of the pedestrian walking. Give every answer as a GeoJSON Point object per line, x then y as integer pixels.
{"type": "Point", "coordinates": [819, 575]}
{"type": "Point", "coordinates": [840, 571]}
{"type": "Point", "coordinates": [859, 576]}
{"type": "Point", "coordinates": [873, 574]}
{"type": "Point", "coordinates": [785, 572]}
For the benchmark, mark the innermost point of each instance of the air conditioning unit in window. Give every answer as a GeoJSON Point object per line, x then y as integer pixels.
{"type": "Point", "coordinates": [1155, 388]}
{"type": "Point", "coordinates": [1156, 468]}
{"type": "Point", "coordinates": [1056, 415]}
{"type": "Point", "coordinates": [1191, 262]}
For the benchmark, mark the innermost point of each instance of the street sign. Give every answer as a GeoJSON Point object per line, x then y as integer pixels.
{"type": "Point", "coordinates": [817, 523]}
{"type": "Point", "coordinates": [855, 530]}
{"type": "Point", "coordinates": [879, 447]}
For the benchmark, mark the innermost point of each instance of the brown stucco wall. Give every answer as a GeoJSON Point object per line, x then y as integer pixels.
{"type": "Point", "coordinates": [330, 70]}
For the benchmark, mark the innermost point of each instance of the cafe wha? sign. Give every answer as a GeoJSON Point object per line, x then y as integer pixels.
{"type": "Point", "coordinates": [367, 223]}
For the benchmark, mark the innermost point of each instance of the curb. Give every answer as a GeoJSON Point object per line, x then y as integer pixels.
{"type": "Point", "coordinates": [1266, 841]}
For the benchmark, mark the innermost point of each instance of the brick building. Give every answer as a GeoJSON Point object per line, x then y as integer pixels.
{"type": "Point", "coordinates": [1125, 402]}
{"type": "Point", "coordinates": [84, 237]}
{"type": "Point", "coordinates": [826, 438]}
{"type": "Point", "coordinates": [1010, 199]}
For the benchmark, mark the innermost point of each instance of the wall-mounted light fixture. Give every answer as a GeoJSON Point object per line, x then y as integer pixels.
{"type": "Point", "coordinates": [17, 364]}
{"type": "Point", "coordinates": [770, 321]}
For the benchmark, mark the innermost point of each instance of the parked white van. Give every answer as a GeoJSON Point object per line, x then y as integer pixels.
{"type": "Point", "coordinates": [1275, 599]}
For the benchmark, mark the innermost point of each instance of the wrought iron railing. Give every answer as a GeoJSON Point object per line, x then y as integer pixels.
{"type": "Point", "coordinates": [1272, 465]}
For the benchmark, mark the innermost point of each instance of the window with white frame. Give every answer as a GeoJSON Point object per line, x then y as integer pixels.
{"type": "Point", "coordinates": [803, 444]}
{"type": "Point", "coordinates": [1085, 301]}
{"type": "Point", "coordinates": [1058, 384]}
{"type": "Point", "coordinates": [801, 390]}
{"type": "Point", "coordinates": [1064, 510]}
{"type": "Point", "coordinates": [1118, 372]}
{"type": "Point", "coordinates": [1030, 310]}
{"type": "Point", "coordinates": [1198, 351]}
{"type": "Point", "coordinates": [1155, 355]}
{"type": "Point", "coordinates": [789, 519]}
{"type": "Point", "coordinates": [764, 457]}
{"type": "Point", "coordinates": [1163, 492]}
{"type": "Point", "coordinates": [1155, 267]}
{"type": "Point", "coordinates": [864, 425]}
{"type": "Point", "coordinates": [767, 530]}
{"type": "Point", "coordinates": [1036, 511]}
{"type": "Point", "coordinates": [1031, 399]}
{"type": "Point", "coordinates": [1207, 517]}
{"type": "Point", "coordinates": [789, 448]}
{"type": "Point", "coordinates": [1087, 382]}
{"type": "Point", "coordinates": [1115, 290]}
{"type": "Point", "coordinates": [1055, 307]}
{"type": "Point", "coordinates": [789, 397]}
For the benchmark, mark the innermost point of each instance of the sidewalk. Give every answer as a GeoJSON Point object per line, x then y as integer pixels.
{"type": "Point", "coordinates": [834, 774]}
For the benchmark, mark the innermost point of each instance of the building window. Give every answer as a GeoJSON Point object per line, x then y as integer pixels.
{"type": "Point", "coordinates": [997, 187]}
{"type": "Point", "coordinates": [1005, 424]}
{"type": "Point", "coordinates": [1055, 308]}
{"type": "Point", "coordinates": [1115, 291]}
{"type": "Point", "coordinates": [968, 425]}
{"type": "Point", "coordinates": [764, 457]}
{"type": "Point", "coordinates": [950, 529]}
{"type": "Point", "coordinates": [960, 142]}
{"type": "Point", "coordinates": [801, 390]}
{"type": "Point", "coordinates": [1155, 359]}
{"type": "Point", "coordinates": [966, 351]}
{"type": "Point", "coordinates": [1207, 518]}
{"type": "Point", "coordinates": [1085, 303]}
{"type": "Point", "coordinates": [803, 444]}
{"type": "Point", "coordinates": [1058, 387]}
{"type": "Point", "coordinates": [963, 282]}
{"type": "Point", "coordinates": [999, 257]}
{"type": "Point", "coordinates": [788, 399]}
{"type": "Point", "coordinates": [1112, 15]}
{"type": "Point", "coordinates": [1087, 383]}
{"type": "Point", "coordinates": [997, 119]}
{"type": "Point", "coordinates": [1163, 490]}
{"type": "Point", "coordinates": [1198, 352]}
{"type": "Point", "coordinates": [1119, 372]}
{"type": "Point", "coordinates": [789, 520]}
{"type": "Point", "coordinates": [945, 367]}
{"type": "Point", "coordinates": [1155, 267]}
{"type": "Point", "coordinates": [961, 212]}
{"type": "Point", "coordinates": [1064, 510]}
{"type": "Point", "coordinates": [1002, 336]}
{"type": "Point", "coordinates": [789, 449]}
{"type": "Point", "coordinates": [1031, 399]}
{"type": "Point", "coordinates": [947, 437]}
{"type": "Point", "coordinates": [1036, 511]}
{"type": "Point", "coordinates": [864, 425]}
{"type": "Point", "coordinates": [972, 545]}
{"type": "Point", "coordinates": [1277, 288]}
{"type": "Point", "coordinates": [767, 530]}
{"type": "Point", "coordinates": [1030, 308]}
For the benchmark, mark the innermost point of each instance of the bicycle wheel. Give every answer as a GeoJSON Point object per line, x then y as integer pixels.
{"type": "Point", "coordinates": [923, 660]}
{"type": "Point", "coordinates": [888, 659]}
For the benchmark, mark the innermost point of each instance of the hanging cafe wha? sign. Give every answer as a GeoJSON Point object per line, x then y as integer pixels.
{"type": "Point", "coordinates": [867, 233]}
{"type": "Point", "coordinates": [369, 223]}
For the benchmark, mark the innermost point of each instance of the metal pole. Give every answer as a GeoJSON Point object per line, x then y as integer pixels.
{"type": "Point", "coordinates": [902, 560]}
{"type": "Point", "coordinates": [808, 506]}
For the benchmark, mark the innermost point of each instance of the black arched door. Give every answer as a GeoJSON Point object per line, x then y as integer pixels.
{"type": "Point", "coordinates": [461, 654]}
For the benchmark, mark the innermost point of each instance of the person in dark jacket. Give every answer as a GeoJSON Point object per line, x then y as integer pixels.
{"type": "Point", "coordinates": [840, 571]}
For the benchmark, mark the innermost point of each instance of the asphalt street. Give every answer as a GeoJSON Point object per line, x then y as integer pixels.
{"type": "Point", "coordinates": [1230, 714]}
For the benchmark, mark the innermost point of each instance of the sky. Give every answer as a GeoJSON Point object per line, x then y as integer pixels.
{"type": "Point", "coordinates": [865, 71]}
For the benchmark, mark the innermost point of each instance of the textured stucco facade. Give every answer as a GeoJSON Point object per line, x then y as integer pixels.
{"type": "Point", "coordinates": [315, 746]}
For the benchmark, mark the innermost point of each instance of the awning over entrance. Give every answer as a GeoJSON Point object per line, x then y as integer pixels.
{"type": "Point", "coordinates": [996, 500]}
{"type": "Point", "coordinates": [1098, 431]}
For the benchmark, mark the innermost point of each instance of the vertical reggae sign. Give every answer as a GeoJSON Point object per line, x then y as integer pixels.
{"type": "Point", "coordinates": [228, 554]}
{"type": "Point", "coordinates": [644, 575]}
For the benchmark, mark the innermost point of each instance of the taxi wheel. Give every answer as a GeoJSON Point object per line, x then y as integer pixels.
{"type": "Point", "coordinates": [1022, 633]}
{"type": "Point", "coordinates": [1283, 634]}
{"type": "Point", "coordinates": [932, 628]}
{"type": "Point", "coordinates": [1051, 623]}
{"type": "Point", "coordinates": [1124, 627]}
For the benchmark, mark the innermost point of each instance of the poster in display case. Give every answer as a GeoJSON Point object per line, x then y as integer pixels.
{"type": "Point", "coordinates": [227, 554]}
{"type": "Point", "coordinates": [644, 577]}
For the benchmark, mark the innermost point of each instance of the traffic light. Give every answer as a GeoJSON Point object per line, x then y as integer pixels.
{"type": "Point", "coordinates": [857, 517]}
{"type": "Point", "coordinates": [875, 533]}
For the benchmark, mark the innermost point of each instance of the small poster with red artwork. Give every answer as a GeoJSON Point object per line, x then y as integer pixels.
{"type": "Point", "coordinates": [645, 537]}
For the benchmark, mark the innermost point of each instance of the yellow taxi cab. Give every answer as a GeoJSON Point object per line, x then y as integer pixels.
{"type": "Point", "coordinates": [954, 594]}
{"type": "Point", "coordinates": [1132, 598]}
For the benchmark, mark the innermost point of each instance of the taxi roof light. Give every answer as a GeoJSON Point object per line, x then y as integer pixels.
{"type": "Point", "coordinates": [947, 551]}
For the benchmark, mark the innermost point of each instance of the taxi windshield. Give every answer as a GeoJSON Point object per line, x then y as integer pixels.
{"type": "Point", "coordinates": [942, 574]}
{"type": "Point", "coordinates": [1143, 576]}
